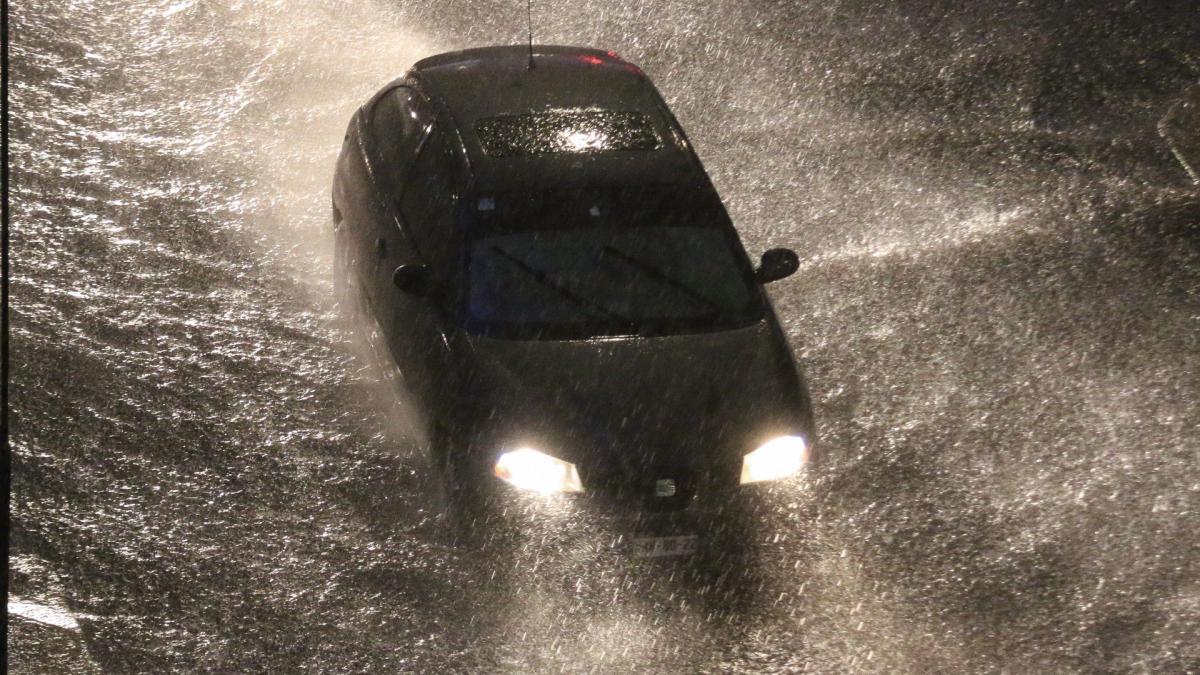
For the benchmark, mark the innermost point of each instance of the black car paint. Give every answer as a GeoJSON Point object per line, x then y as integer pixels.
{"type": "Point", "coordinates": [625, 409]}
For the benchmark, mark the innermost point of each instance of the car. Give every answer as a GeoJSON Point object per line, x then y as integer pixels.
{"type": "Point", "coordinates": [564, 295]}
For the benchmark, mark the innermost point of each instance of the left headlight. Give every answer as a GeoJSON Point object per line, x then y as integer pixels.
{"type": "Point", "coordinates": [778, 458]}
{"type": "Point", "coordinates": [529, 469]}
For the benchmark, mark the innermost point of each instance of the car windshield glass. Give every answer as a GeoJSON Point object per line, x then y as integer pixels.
{"type": "Point", "coordinates": [586, 263]}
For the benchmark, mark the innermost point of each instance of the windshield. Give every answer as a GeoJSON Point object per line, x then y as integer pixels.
{"type": "Point", "coordinates": [587, 263]}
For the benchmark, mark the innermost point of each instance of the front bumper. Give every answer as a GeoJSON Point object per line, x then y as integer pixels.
{"type": "Point", "coordinates": [603, 524]}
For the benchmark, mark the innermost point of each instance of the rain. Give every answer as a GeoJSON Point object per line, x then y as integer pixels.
{"type": "Point", "coordinates": [997, 311]}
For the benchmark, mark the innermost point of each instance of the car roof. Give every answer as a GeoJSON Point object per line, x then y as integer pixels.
{"type": "Point", "coordinates": [476, 84]}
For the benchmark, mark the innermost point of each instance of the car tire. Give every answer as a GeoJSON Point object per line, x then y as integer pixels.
{"type": "Point", "coordinates": [345, 291]}
{"type": "Point", "coordinates": [467, 502]}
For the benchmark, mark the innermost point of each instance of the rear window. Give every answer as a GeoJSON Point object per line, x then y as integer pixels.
{"type": "Point", "coordinates": [569, 131]}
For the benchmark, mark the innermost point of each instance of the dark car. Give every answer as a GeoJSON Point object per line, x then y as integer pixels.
{"type": "Point", "coordinates": [561, 289]}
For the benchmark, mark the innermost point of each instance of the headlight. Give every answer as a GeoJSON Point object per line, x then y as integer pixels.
{"type": "Point", "coordinates": [776, 459]}
{"type": "Point", "coordinates": [529, 469]}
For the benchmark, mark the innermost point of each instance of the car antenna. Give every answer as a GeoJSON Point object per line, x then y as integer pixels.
{"type": "Point", "coordinates": [529, 17]}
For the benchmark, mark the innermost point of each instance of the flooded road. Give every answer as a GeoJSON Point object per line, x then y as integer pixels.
{"type": "Point", "coordinates": [997, 310]}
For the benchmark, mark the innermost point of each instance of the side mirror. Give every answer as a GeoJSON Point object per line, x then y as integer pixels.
{"type": "Point", "coordinates": [414, 279]}
{"type": "Point", "coordinates": [776, 264]}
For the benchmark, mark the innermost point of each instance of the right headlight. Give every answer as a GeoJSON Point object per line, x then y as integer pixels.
{"type": "Point", "coordinates": [529, 469]}
{"type": "Point", "coordinates": [778, 458]}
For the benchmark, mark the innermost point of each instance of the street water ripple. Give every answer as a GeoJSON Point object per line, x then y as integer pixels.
{"type": "Point", "coordinates": [997, 309]}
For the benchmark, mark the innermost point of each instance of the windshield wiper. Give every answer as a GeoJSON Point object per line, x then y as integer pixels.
{"type": "Point", "coordinates": [546, 280]}
{"type": "Point", "coordinates": [664, 278]}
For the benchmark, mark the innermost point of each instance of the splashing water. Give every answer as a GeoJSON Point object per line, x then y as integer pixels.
{"type": "Point", "coordinates": [997, 313]}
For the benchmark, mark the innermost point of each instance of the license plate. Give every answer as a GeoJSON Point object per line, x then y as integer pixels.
{"type": "Point", "coordinates": [664, 547]}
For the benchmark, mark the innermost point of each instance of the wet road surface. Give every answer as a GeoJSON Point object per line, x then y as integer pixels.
{"type": "Point", "coordinates": [997, 312]}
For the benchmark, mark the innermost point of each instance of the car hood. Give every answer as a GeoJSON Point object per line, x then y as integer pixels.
{"type": "Point", "coordinates": [697, 401]}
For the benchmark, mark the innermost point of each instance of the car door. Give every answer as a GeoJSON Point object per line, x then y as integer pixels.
{"type": "Point", "coordinates": [413, 174]}
{"type": "Point", "coordinates": [354, 211]}
{"type": "Point", "coordinates": [421, 327]}
{"type": "Point", "coordinates": [400, 121]}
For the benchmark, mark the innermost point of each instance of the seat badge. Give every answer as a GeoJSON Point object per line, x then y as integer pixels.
{"type": "Point", "coordinates": [664, 487]}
